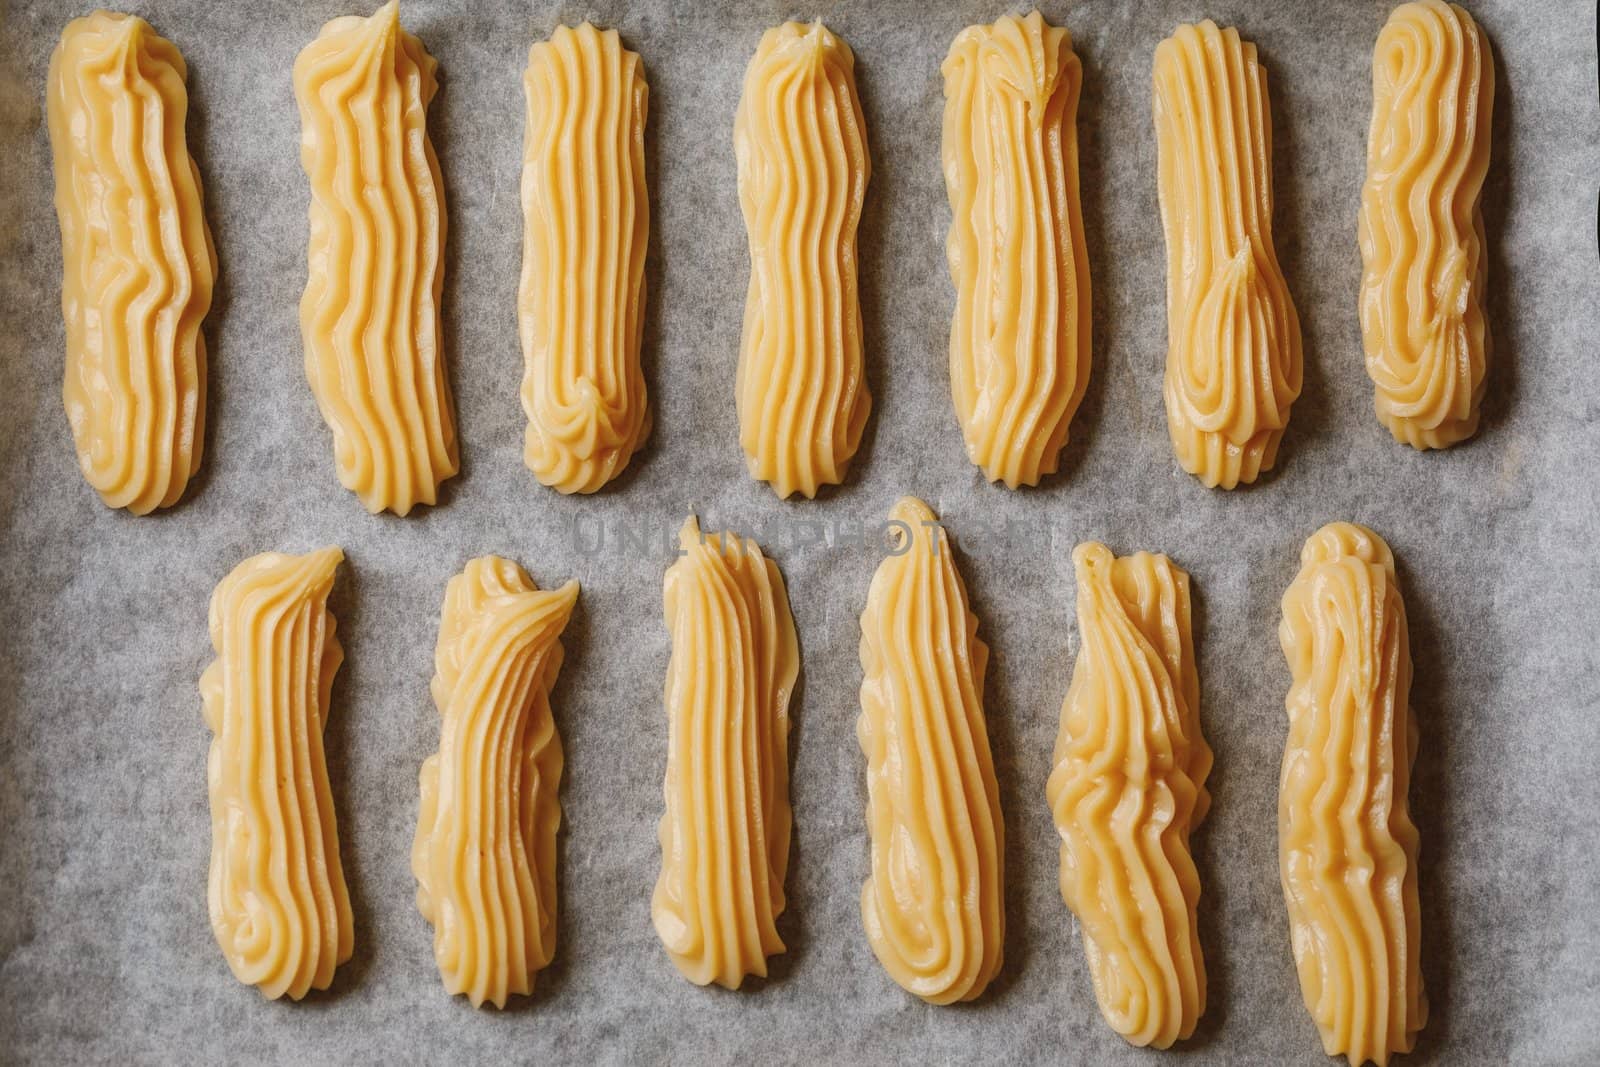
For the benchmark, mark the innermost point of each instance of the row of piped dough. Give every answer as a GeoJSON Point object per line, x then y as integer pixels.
{"type": "Point", "coordinates": [138, 263]}
{"type": "Point", "coordinates": [1127, 789]}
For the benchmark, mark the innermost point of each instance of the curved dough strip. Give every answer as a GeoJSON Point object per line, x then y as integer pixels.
{"type": "Point", "coordinates": [278, 903]}
{"type": "Point", "coordinates": [1347, 846]}
{"type": "Point", "coordinates": [803, 170]}
{"type": "Point", "coordinates": [725, 832]}
{"type": "Point", "coordinates": [484, 854]}
{"type": "Point", "coordinates": [932, 906]}
{"type": "Point", "coordinates": [1233, 351]}
{"type": "Point", "coordinates": [137, 262]}
{"type": "Point", "coordinates": [586, 228]}
{"type": "Point", "coordinates": [1422, 223]}
{"type": "Point", "coordinates": [369, 316]}
{"type": "Point", "coordinates": [1127, 789]}
{"type": "Point", "coordinates": [1019, 344]}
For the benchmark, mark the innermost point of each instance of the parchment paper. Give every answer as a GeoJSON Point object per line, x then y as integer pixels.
{"type": "Point", "coordinates": [105, 949]}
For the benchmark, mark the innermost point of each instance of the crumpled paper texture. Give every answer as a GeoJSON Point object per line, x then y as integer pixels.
{"type": "Point", "coordinates": [105, 949]}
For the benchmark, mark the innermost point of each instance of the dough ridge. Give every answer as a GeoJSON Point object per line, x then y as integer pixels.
{"type": "Point", "coordinates": [369, 316]}
{"type": "Point", "coordinates": [277, 897]}
{"type": "Point", "coordinates": [1128, 788]}
{"type": "Point", "coordinates": [933, 905]}
{"type": "Point", "coordinates": [725, 830]}
{"type": "Point", "coordinates": [1020, 339]}
{"type": "Point", "coordinates": [1421, 224]}
{"type": "Point", "coordinates": [1234, 364]}
{"type": "Point", "coordinates": [484, 854]}
{"type": "Point", "coordinates": [1347, 845]}
{"type": "Point", "coordinates": [586, 229]}
{"type": "Point", "coordinates": [138, 264]}
{"type": "Point", "coordinates": [803, 163]}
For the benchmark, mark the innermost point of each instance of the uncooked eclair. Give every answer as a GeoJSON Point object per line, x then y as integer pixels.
{"type": "Point", "coordinates": [1233, 336]}
{"type": "Point", "coordinates": [801, 147]}
{"type": "Point", "coordinates": [1129, 785]}
{"type": "Point", "coordinates": [933, 905]}
{"type": "Point", "coordinates": [137, 262]}
{"type": "Point", "coordinates": [725, 831]}
{"type": "Point", "coordinates": [585, 232]}
{"type": "Point", "coordinates": [484, 854]}
{"type": "Point", "coordinates": [279, 907]}
{"type": "Point", "coordinates": [1347, 845]}
{"type": "Point", "coordinates": [369, 316]}
{"type": "Point", "coordinates": [1421, 228]}
{"type": "Point", "coordinates": [1019, 343]}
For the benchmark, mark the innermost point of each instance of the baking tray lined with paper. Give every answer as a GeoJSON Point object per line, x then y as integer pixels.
{"type": "Point", "coordinates": [105, 948]}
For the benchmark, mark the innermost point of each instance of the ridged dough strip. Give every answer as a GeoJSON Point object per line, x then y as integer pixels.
{"type": "Point", "coordinates": [586, 228]}
{"type": "Point", "coordinates": [484, 854]}
{"type": "Point", "coordinates": [1127, 789]}
{"type": "Point", "coordinates": [279, 907]}
{"type": "Point", "coordinates": [1233, 348]}
{"type": "Point", "coordinates": [369, 316]}
{"type": "Point", "coordinates": [725, 831]}
{"type": "Point", "coordinates": [932, 906]}
{"type": "Point", "coordinates": [137, 262]}
{"type": "Point", "coordinates": [1347, 845]}
{"type": "Point", "coordinates": [1422, 242]}
{"type": "Point", "coordinates": [801, 146]}
{"type": "Point", "coordinates": [1019, 343]}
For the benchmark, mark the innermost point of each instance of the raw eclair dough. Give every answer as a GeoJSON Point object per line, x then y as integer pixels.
{"type": "Point", "coordinates": [369, 316]}
{"type": "Point", "coordinates": [725, 832]}
{"type": "Point", "coordinates": [484, 854]}
{"type": "Point", "coordinates": [137, 260]}
{"type": "Point", "coordinates": [1347, 845]}
{"type": "Point", "coordinates": [1128, 787]}
{"type": "Point", "coordinates": [803, 170]}
{"type": "Point", "coordinates": [1233, 350]}
{"type": "Point", "coordinates": [278, 903]}
{"type": "Point", "coordinates": [933, 906]}
{"type": "Point", "coordinates": [1421, 228]}
{"type": "Point", "coordinates": [1019, 344]}
{"type": "Point", "coordinates": [586, 227]}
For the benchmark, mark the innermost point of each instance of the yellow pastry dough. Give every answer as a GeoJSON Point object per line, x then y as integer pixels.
{"type": "Point", "coordinates": [1019, 345]}
{"type": "Point", "coordinates": [1128, 787]}
{"type": "Point", "coordinates": [725, 832]}
{"type": "Point", "coordinates": [1233, 348]}
{"type": "Point", "coordinates": [369, 316]}
{"type": "Point", "coordinates": [586, 226]}
{"type": "Point", "coordinates": [137, 260]}
{"type": "Point", "coordinates": [485, 848]}
{"type": "Point", "coordinates": [801, 146]}
{"type": "Point", "coordinates": [278, 903]}
{"type": "Point", "coordinates": [1347, 846]}
{"type": "Point", "coordinates": [932, 906]}
{"type": "Point", "coordinates": [1422, 226]}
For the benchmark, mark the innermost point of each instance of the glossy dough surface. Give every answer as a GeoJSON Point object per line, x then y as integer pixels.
{"type": "Point", "coordinates": [369, 317]}
{"type": "Point", "coordinates": [1019, 345]}
{"type": "Point", "coordinates": [484, 854]}
{"type": "Point", "coordinates": [933, 906]}
{"type": "Point", "coordinates": [1347, 845]}
{"type": "Point", "coordinates": [586, 227]}
{"type": "Point", "coordinates": [801, 147]}
{"type": "Point", "coordinates": [1422, 242]}
{"type": "Point", "coordinates": [137, 259]}
{"type": "Point", "coordinates": [725, 832]}
{"type": "Point", "coordinates": [1127, 789]}
{"type": "Point", "coordinates": [278, 903]}
{"type": "Point", "coordinates": [1233, 337]}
